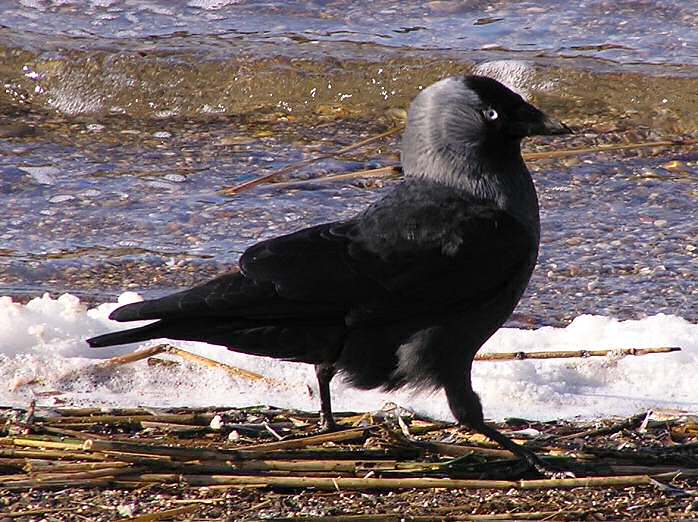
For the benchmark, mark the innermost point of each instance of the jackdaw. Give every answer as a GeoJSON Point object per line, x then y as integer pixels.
{"type": "Point", "coordinates": [407, 291]}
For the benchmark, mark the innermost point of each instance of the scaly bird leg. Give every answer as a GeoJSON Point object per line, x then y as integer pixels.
{"type": "Point", "coordinates": [466, 407]}
{"type": "Point", "coordinates": [324, 373]}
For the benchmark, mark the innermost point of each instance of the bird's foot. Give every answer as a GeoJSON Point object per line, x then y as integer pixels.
{"type": "Point", "coordinates": [328, 425]}
{"type": "Point", "coordinates": [541, 467]}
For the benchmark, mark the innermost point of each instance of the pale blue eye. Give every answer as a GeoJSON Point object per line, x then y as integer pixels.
{"type": "Point", "coordinates": [490, 114]}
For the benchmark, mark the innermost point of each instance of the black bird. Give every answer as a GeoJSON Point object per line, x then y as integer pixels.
{"type": "Point", "coordinates": [407, 291]}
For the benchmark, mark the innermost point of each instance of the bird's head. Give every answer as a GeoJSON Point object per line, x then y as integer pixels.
{"type": "Point", "coordinates": [457, 117]}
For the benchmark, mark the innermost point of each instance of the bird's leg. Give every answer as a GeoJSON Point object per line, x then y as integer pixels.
{"type": "Point", "coordinates": [466, 407]}
{"type": "Point", "coordinates": [324, 373]}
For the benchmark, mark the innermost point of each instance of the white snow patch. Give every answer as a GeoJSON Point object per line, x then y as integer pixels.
{"type": "Point", "coordinates": [43, 341]}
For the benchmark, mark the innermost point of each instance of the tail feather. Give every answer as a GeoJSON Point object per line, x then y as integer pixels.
{"type": "Point", "coordinates": [134, 335]}
{"type": "Point", "coordinates": [135, 312]}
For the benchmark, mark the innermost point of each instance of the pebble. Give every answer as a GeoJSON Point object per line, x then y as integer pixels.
{"type": "Point", "coordinates": [42, 175]}
{"type": "Point", "coordinates": [674, 165]}
{"type": "Point", "coordinates": [61, 198]}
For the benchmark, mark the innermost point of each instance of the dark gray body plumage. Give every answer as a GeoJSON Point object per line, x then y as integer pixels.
{"type": "Point", "coordinates": [404, 293]}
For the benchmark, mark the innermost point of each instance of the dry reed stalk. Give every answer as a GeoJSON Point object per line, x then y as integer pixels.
{"type": "Point", "coordinates": [337, 436]}
{"type": "Point", "coordinates": [232, 370]}
{"type": "Point", "coordinates": [345, 466]}
{"type": "Point", "coordinates": [133, 356]}
{"type": "Point", "coordinates": [512, 515]}
{"type": "Point", "coordinates": [319, 453]}
{"type": "Point", "coordinates": [527, 156]}
{"type": "Point", "coordinates": [508, 356]}
{"type": "Point", "coordinates": [50, 466]}
{"type": "Point", "coordinates": [456, 450]}
{"type": "Point", "coordinates": [69, 475]}
{"type": "Point", "coordinates": [58, 484]}
{"type": "Point", "coordinates": [12, 463]}
{"type": "Point", "coordinates": [231, 191]}
{"type": "Point", "coordinates": [392, 517]}
{"type": "Point", "coordinates": [607, 430]}
{"type": "Point", "coordinates": [148, 450]}
{"type": "Point", "coordinates": [72, 445]}
{"type": "Point", "coordinates": [75, 434]}
{"type": "Point", "coordinates": [84, 412]}
{"type": "Point", "coordinates": [381, 517]}
{"type": "Point", "coordinates": [677, 473]}
{"type": "Point", "coordinates": [171, 427]}
{"type": "Point", "coordinates": [51, 454]}
{"type": "Point", "coordinates": [196, 419]}
{"type": "Point", "coordinates": [380, 172]}
{"type": "Point", "coordinates": [366, 484]}
{"type": "Point", "coordinates": [32, 512]}
{"type": "Point", "coordinates": [167, 348]}
{"type": "Point", "coordinates": [83, 475]}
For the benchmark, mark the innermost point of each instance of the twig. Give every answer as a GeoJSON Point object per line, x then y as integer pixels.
{"type": "Point", "coordinates": [37, 442]}
{"type": "Point", "coordinates": [58, 484]}
{"type": "Point", "coordinates": [607, 430]}
{"type": "Point", "coordinates": [520, 356]}
{"type": "Point", "coordinates": [392, 170]}
{"type": "Point", "coordinates": [50, 466]}
{"type": "Point", "coordinates": [231, 191]}
{"type": "Point", "coordinates": [69, 433]}
{"type": "Point", "coordinates": [380, 517]}
{"type": "Point", "coordinates": [193, 419]}
{"type": "Point", "coordinates": [30, 512]}
{"type": "Point", "coordinates": [366, 484]}
{"type": "Point", "coordinates": [513, 515]}
{"type": "Point", "coordinates": [312, 440]}
{"type": "Point", "coordinates": [133, 356]}
{"type": "Point", "coordinates": [392, 517]}
{"type": "Point", "coordinates": [236, 372]}
{"type": "Point", "coordinates": [606, 148]}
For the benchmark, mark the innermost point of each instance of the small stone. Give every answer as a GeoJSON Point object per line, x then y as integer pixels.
{"type": "Point", "coordinates": [61, 198]}
{"type": "Point", "coordinates": [125, 510]}
{"type": "Point", "coordinates": [42, 175]}
{"type": "Point", "coordinates": [674, 165]}
{"type": "Point", "coordinates": [216, 423]}
{"type": "Point", "coordinates": [235, 140]}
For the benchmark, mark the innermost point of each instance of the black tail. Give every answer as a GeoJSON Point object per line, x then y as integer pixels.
{"type": "Point", "coordinates": [134, 335]}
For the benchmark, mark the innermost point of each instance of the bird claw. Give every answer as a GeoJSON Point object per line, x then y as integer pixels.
{"type": "Point", "coordinates": [545, 470]}
{"type": "Point", "coordinates": [328, 426]}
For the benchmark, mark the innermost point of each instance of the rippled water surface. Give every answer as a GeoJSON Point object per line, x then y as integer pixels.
{"type": "Point", "coordinates": [122, 123]}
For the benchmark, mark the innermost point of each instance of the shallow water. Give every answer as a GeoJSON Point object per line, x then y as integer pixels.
{"type": "Point", "coordinates": [122, 122]}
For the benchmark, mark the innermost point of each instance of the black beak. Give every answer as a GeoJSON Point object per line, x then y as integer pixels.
{"type": "Point", "coordinates": [529, 121]}
{"type": "Point", "coordinates": [549, 126]}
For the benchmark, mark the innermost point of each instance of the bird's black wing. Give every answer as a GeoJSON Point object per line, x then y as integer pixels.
{"type": "Point", "coordinates": [420, 249]}
{"type": "Point", "coordinates": [439, 250]}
